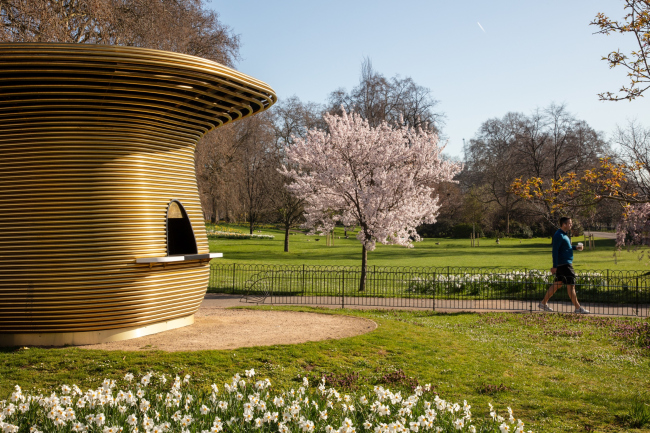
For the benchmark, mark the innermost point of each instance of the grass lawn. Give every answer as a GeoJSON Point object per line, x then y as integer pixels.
{"type": "Point", "coordinates": [558, 372]}
{"type": "Point", "coordinates": [518, 253]}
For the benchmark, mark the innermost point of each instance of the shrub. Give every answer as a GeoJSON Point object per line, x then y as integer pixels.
{"type": "Point", "coordinates": [441, 229]}
{"type": "Point", "coordinates": [464, 230]}
{"type": "Point", "coordinates": [520, 230]}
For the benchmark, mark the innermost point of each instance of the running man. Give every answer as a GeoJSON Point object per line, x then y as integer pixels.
{"type": "Point", "coordinates": [563, 267]}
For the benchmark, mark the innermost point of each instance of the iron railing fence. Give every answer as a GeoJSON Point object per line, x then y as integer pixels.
{"type": "Point", "coordinates": [602, 292]}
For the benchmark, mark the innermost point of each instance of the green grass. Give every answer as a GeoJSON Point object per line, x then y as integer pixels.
{"type": "Point", "coordinates": [558, 372]}
{"type": "Point", "coordinates": [518, 253]}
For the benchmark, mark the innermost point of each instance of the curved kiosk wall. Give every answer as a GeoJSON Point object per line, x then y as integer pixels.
{"type": "Point", "coordinates": [101, 229]}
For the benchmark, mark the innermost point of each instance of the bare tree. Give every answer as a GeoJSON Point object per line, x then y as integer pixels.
{"type": "Point", "coordinates": [551, 144]}
{"type": "Point", "coordinates": [183, 26]}
{"type": "Point", "coordinates": [288, 208]}
{"type": "Point", "coordinates": [548, 146]}
{"type": "Point", "coordinates": [491, 164]}
{"type": "Point", "coordinates": [218, 171]}
{"type": "Point", "coordinates": [396, 100]}
{"type": "Point", "coordinates": [634, 142]}
{"type": "Point", "coordinates": [291, 119]}
{"type": "Point", "coordinates": [259, 167]}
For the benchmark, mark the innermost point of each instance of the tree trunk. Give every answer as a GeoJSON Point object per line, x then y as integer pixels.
{"type": "Point", "coordinates": [286, 238]}
{"type": "Point", "coordinates": [252, 223]}
{"type": "Point", "coordinates": [364, 262]}
{"type": "Point", "coordinates": [215, 214]}
{"type": "Point", "coordinates": [507, 224]}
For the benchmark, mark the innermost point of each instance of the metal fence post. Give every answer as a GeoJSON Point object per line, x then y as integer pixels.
{"type": "Point", "coordinates": [637, 296]}
{"type": "Point", "coordinates": [234, 265]}
{"type": "Point", "coordinates": [435, 287]}
{"type": "Point", "coordinates": [452, 304]}
{"type": "Point", "coordinates": [272, 283]}
{"type": "Point", "coordinates": [527, 291]}
{"type": "Point", "coordinates": [343, 290]}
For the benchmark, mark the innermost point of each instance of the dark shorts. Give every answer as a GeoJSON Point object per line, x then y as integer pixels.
{"type": "Point", "coordinates": [566, 274]}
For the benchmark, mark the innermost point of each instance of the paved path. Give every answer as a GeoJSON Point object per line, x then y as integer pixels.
{"type": "Point", "coordinates": [603, 235]}
{"type": "Point", "coordinates": [218, 300]}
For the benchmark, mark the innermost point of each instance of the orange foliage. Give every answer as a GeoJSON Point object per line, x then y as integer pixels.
{"type": "Point", "coordinates": [607, 181]}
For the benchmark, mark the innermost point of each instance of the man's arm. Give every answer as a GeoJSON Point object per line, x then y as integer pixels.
{"type": "Point", "coordinates": [556, 249]}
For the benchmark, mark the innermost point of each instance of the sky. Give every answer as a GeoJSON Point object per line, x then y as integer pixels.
{"type": "Point", "coordinates": [481, 59]}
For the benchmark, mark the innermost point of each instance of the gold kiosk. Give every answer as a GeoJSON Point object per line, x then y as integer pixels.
{"type": "Point", "coordinates": [101, 230]}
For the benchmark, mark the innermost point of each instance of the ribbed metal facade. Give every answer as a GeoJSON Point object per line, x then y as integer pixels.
{"type": "Point", "coordinates": [95, 141]}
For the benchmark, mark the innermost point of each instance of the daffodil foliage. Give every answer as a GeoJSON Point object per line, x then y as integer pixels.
{"type": "Point", "coordinates": [154, 404]}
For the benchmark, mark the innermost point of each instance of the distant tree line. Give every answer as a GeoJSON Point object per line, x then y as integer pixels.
{"type": "Point", "coordinates": [547, 144]}
{"type": "Point", "coordinates": [239, 177]}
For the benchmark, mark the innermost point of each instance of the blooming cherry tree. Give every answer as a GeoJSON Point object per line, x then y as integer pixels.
{"type": "Point", "coordinates": [634, 227]}
{"type": "Point", "coordinates": [382, 178]}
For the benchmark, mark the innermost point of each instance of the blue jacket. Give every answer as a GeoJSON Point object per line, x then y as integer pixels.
{"type": "Point", "coordinates": [562, 249]}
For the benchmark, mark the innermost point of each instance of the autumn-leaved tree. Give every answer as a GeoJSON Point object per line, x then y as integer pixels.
{"type": "Point", "coordinates": [381, 178]}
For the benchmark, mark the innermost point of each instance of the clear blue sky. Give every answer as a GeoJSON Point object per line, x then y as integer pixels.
{"type": "Point", "coordinates": [530, 54]}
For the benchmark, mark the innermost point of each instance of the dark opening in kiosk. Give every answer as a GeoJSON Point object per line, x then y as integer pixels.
{"type": "Point", "coordinates": [180, 236]}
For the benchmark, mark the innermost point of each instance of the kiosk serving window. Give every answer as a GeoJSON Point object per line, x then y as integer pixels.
{"type": "Point", "coordinates": [180, 236]}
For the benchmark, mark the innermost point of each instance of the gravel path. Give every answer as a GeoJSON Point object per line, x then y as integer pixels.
{"type": "Point", "coordinates": [217, 328]}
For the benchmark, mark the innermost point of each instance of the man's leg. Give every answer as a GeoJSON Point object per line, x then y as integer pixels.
{"type": "Point", "coordinates": [571, 290]}
{"type": "Point", "coordinates": [551, 290]}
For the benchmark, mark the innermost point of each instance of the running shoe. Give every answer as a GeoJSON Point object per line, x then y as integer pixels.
{"type": "Point", "coordinates": [545, 307]}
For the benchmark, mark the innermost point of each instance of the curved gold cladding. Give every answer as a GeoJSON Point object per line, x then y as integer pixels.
{"type": "Point", "coordinates": [95, 142]}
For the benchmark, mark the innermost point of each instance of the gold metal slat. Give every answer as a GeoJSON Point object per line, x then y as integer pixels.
{"type": "Point", "coordinates": [95, 141]}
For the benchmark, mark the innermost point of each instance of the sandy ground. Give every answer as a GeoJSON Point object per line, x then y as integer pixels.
{"type": "Point", "coordinates": [219, 328]}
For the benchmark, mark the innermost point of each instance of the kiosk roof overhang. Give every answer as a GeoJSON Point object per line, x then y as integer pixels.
{"type": "Point", "coordinates": [41, 81]}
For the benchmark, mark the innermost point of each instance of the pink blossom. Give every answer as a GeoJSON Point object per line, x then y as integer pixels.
{"type": "Point", "coordinates": [381, 178]}
{"type": "Point", "coordinates": [634, 228]}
